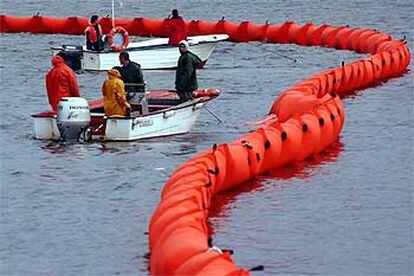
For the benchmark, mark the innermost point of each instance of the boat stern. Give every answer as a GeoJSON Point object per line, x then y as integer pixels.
{"type": "Point", "coordinates": [45, 126]}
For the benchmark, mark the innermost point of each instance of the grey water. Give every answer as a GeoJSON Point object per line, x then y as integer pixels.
{"type": "Point", "coordinates": [84, 209]}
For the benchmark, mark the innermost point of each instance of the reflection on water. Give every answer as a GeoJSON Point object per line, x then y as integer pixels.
{"type": "Point", "coordinates": [307, 169]}
{"type": "Point", "coordinates": [220, 204]}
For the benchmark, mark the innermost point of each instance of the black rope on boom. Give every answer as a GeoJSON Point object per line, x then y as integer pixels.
{"type": "Point", "coordinates": [277, 53]}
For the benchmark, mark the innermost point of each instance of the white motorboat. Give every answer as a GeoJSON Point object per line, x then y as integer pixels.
{"type": "Point", "coordinates": [167, 116]}
{"type": "Point", "coordinates": [150, 54]}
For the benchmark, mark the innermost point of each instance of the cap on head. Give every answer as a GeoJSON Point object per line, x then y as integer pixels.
{"type": "Point", "coordinates": [184, 44]}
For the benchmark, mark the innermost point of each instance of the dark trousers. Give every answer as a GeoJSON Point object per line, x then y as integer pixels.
{"type": "Point", "coordinates": [96, 46]}
{"type": "Point", "coordinates": [185, 95]}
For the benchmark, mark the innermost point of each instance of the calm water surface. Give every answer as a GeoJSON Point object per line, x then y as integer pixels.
{"type": "Point", "coordinates": [84, 209]}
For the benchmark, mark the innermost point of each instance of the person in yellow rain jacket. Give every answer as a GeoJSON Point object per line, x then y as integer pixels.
{"type": "Point", "coordinates": [114, 98]}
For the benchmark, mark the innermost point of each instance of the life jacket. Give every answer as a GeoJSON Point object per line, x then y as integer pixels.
{"type": "Point", "coordinates": [93, 34]}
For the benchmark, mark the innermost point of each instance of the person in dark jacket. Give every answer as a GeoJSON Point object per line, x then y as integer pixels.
{"type": "Point", "coordinates": [131, 73]}
{"type": "Point", "coordinates": [93, 34]}
{"type": "Point", "coordinates": [176, 28]}
{"type": "Point", "coordinates": [185, 76]}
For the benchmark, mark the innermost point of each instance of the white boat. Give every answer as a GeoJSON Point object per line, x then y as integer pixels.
{"type": "Point", "coordinates": [150, 54]}
{"type": "Point", "coordinates": [167, 116]}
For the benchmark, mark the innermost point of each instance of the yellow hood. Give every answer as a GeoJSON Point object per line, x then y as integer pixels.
{"type": "Point", "coordinates": [113, 73]}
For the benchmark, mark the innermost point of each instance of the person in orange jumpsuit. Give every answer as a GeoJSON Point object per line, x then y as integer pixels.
{"type": "Point", "coordinates": [61, 81]}
{"type": "Point", "coordinates": [176, 28]}
{"type": "Point", "coordinates": [114, 99]}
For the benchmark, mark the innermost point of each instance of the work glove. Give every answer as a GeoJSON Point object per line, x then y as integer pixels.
{"type": "Point", "coordinates": [128, 112]}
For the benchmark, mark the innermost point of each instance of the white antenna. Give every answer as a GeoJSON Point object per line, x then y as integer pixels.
{"type": "Point", "coordinates": [113, 13]}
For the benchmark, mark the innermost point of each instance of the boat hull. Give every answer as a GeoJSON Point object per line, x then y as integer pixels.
{"type": "Point", "coordinates": [177, 119]}
{"type": "Point", "coordinates": [151, 54]}
{"type": "Point", "coordinates": [46, 128]}
{"type": "Point", "coordinates": [166, 123]}
{"type": "Point", "coordinates": [163, 58]}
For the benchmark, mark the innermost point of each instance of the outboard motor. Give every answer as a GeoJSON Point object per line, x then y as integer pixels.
{"type": "Point", "coordinates": [74, 56]}
{"type": "Point", "coordinates": [73, 117]}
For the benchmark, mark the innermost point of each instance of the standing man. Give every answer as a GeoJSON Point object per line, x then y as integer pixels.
{"type": "Point", "coordinates": [131, 73]}
{"type": "Point", "coordinates": [93, 35]}
{"type": "Point", "coordinates": [185, 76]}
{"type": "Point", "coordinates": [134, 82]}
{"type": "Point", "coordinates": [60, 81]}
{"type": "Point", "coordinates": [176, 28]}
{"type": "Point", "coordinates": [113, 92]}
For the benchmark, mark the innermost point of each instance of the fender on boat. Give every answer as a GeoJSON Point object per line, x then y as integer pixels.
{"type": "Point", "coordinates": [310, 116]}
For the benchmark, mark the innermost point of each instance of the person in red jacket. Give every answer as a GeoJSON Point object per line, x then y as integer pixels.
{"type": "Point", "coordinates": [60, 81]}
{"type": "Point", "coordinates": [93, 34]}
{"type": "Point", "coordinates": [177, 30]}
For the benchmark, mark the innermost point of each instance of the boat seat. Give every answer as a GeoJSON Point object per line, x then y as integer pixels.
{"type": "Point", "coordinates": [139, 101]}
